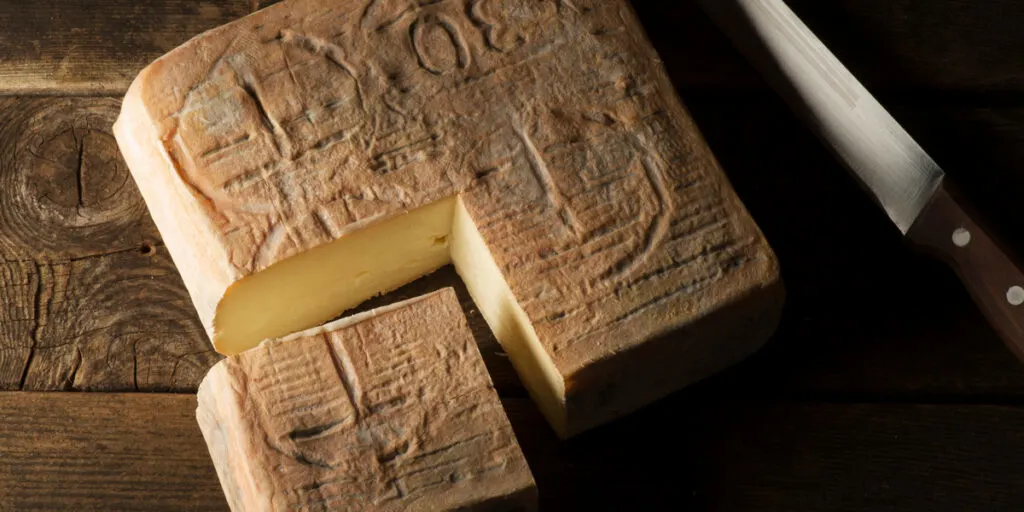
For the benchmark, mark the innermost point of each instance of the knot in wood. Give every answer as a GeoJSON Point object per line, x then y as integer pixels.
{"type": "Point", "coordinates": [64, 189]}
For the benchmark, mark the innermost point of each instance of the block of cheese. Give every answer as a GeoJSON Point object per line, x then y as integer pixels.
{"type": "Point", "coordinates": [320, 152]}
{"type": "Point", "coordinates": [386, 410]}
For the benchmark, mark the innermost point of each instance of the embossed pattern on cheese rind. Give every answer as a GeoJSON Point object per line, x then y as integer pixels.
{"type": "Point", "coordinates": [391, 412]}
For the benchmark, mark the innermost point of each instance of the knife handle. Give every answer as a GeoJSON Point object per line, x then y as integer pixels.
{"type": "Point", "coordinates": [994, 280]}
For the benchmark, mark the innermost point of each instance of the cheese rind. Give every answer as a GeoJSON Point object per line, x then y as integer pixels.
{"type": "Point", "coordinates": [389, 410]}
{"type": "Point", "coordinates": [313, 124]}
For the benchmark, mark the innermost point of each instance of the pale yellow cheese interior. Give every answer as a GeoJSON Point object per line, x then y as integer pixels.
{"type": "Point", "coordinates": [316, 286]}
{"type": "Point", "coordinates": [508, 321]}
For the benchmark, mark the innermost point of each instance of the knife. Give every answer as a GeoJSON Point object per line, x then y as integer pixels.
{"type": "Point", "coordinates": [886, 161]}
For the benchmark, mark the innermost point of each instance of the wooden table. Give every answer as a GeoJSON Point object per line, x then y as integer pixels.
{"type": "Point", "coordinates": [884, 389]}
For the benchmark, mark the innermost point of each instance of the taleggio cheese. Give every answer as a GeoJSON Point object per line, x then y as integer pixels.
{"type": "Point", "coordinates": [320, 152]}
{"type": "Point", "coordinates": [387, 410]}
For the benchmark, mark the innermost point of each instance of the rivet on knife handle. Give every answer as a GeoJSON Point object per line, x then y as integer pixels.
{"type": "Point", "coordinates": [995, 282]}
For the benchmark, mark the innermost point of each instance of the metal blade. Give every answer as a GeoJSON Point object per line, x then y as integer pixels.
{"type": "Point", "coordinates": [894, 168]}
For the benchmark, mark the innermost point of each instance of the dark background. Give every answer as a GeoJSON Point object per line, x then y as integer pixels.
{"type": "Point", "coordinates": [884, 388]}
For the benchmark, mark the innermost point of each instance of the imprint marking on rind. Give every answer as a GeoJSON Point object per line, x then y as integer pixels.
{"type": "Point", "coordinates": [270, 245]}
{"type": "Point", "coordinates": [659, 225]}
{"type": "Point", "coordinates": [463, 57]}
{"type": "Point", "coordinates": [547, 182]}
{"type": "Point", "coordinates": [306, 434]}
{"type": "Point", "coordinates": [219, 152]}
{"type": "Point", "coordinates": [346, 371]}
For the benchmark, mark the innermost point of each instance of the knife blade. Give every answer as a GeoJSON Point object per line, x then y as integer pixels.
{"type": "Point", "coordinates": [898, 174]}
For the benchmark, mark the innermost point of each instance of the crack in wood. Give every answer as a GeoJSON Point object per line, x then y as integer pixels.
{"type": "Point", "coordinates": [77, 365]}
{"type": "Point", "coordinates": [80, 171]}
{"type": "Point", "coordinates": [177, 363]}
{"type": "Point", "coordinates": [36, 326]}
{"type": "Point", "coordinates": [135, 364]}
{"type": "Point", "coordinates": [102, 254]}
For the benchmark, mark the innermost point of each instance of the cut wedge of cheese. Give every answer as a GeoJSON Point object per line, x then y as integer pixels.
{"type": "Point", "coordinates": [320, 152]}
{"type": "Point", "coordinates": [386, 410]}
{"type": "Point", "coordinates": [316, 285]}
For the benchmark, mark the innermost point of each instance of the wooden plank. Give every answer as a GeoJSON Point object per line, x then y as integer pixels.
{"type": "Point", "coordinates": [97, 46]}
{"type": "Point", "coordinates": [89, 299]}
{"type": "Point", "coordinates": [75, 451]}
{"type": "Point", "coordinates": [117, 322]}
{"type": "Point", "coordinates": [941, 45]}
{"type": "Point", "coordinates": [692, 451]}
{"type": "Point", "coordinates": [65, 192]}
{"type": "Point", "coordinates": [867, 315]}
{"type": "Point", "coordinates": [705, 454]}
{"type": "Point", "coordinates": [862, 457]}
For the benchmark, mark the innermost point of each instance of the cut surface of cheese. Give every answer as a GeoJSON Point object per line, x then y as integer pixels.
{"type": "Point", "coordinates": [508, 321]}
{"type": "Point", "coordinates": [315, 286]}
{"type": "Point", "coordinates": [319, 152]}
{"type": "Point", "coordinates": [387, 410]}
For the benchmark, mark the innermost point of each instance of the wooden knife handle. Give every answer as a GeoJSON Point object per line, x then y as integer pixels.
{"type": "Point", "coordinates": [993, 279]}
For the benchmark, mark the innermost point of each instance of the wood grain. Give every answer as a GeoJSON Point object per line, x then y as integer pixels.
{"type": "Point", "coordinates": [89, 298]}
{"type": "Point", "coordinates": [731, 455]}
{"type": "Point", "coordinates": [891, 45]}
{"type": "Point", "coordinates": [97, 46]}
{"type": "Point", "coordinates": [74, 451]}
{"type": "Point", "coordinates": [697, 452]}
{"type": "Point", "coordinates": [868, 316]}
{"type": "Point", "coordinates": [135, 451]}
{"type": "Point", "coordinates": [65, 191]}
{"type": "Point", "coordinates": [819, 456]}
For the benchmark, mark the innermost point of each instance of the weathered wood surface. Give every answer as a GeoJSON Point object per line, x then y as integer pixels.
{"type": "Point", "coordinates": [97, 451]}
{"type": "Point", "coordinates": [783, 456]}
{"type": "Point", "coordinates": [867, 315]}
{"type": "Point", "coordinates": [892, 45]}
{"type": "Point", "coordinates": [98, 46]}
{"type": "Point", "coordinates": [89, 299]}
{"type": "Point", "coordinates": [142, 451]}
